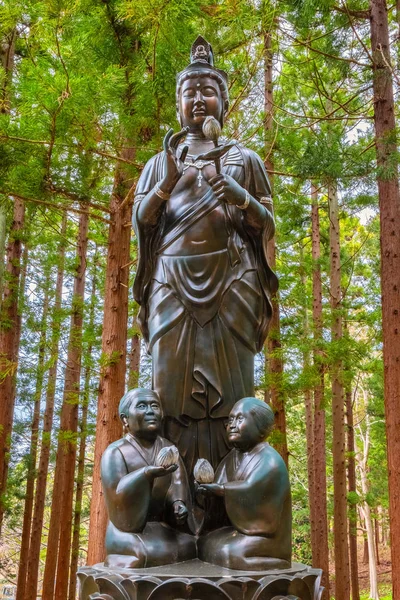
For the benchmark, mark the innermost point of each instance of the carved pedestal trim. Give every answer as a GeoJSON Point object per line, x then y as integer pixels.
{"type": "Point", "coordinates": [99, 583]}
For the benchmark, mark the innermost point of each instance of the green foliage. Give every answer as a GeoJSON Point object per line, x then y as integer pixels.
{"type": "Point", "coordinates": [90, 75]}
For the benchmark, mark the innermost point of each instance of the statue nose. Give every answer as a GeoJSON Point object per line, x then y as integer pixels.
{"type": "Point", "coordinates": [198, 97]}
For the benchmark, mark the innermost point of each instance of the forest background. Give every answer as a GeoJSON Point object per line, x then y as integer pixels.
{"type": "Point", "coordinates": [87, 93]}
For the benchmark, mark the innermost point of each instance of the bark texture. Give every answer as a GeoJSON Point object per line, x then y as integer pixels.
{"type": "Point", "coordinates": [41, 481]}
{"type": "Point", "coordinates": [389, 204]}
{"type": "Point", "coordinates": [9, 331]}
{"type": "Point", "coordinates": [342, 569]}
{"type": "Point", "coordinates": [82, 448]}
{"type": "Point", "coordinates": [319, 511]}
{"type": "Point", "coordinates": [114, 340]}
{"type": "Point", "coordinates": [30, 483]}
{"type": "Point", "coordinates": [274, 395]}
{"type": "Point", "coordinates": [134, 360]}
{"type": "Point", "coordinates": [56, 575]}
{"type": "Point", "coordinates": [351, 476]}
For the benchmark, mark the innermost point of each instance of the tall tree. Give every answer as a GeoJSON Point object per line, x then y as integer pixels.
{"type": "Point", "coordinates": [114, 339]}
{"type": "Point", "coordinates": [80, 479]}
{"type": "Point", "coordinates": [9, 331]}
{"type": "Point", "coordinates": [31, 476]}
{"type": "Point", "coordinates": [274, 363]}
{"type": "Point", "coordinates": [389, 206]}
{"type": "Point", "coordinates": [56, 575]}
{"type": "Point", "coordinates": [41, 481]}
{"type": "Point", "coordinates": [351, 475]}
{"type": "Point", "coordinates": [342, 571]}
{"type": "Point", "coordinates": [320, 549]}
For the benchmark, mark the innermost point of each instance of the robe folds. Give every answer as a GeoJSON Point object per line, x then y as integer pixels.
{"type": "Point", "coordinates": [255, 512]}
{"type": "Point", "coordinates": [141, 531]}
{"type": "Point", "coordinates": [205, 316]}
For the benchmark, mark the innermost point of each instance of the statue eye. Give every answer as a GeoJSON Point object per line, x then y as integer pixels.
{"type": "Point", "coordinates": [141, 406]}
{"type": "Point", "coordinates": [209, 92]}
{"type": "Point", "coordinates": [189, 93]}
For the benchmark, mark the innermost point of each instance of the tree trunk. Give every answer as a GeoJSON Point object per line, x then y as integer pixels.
{"type": "Point", "coordinates": [351, 475]}
{"type": "Point", "coordinates": [7, 55]}
{"type": "Point", "coordinates": [366, 511]}
{"type": "Point", "coordinates": [9, 305]}
{"type": "Point", "coordinates": [320, 549]}
{"type": "Point", "coordinates": [274, 395]}
{"type": "Point", "coordinates": [308, 409]}
{"type": "Point", "coordinates": [376, 528]}
{"type": "Point", "coordinates": [365, 548]}
{"type": "Point", "coordinates": [134, 360]}
{"type": "Point", "coordinates": [82, 448]}
{"type": "Point", "coordinates": [114, 339]}
{"type": "Point", "coordinates": [56, 574]}
{"type": "Point", "coordinates": [8, 343]}
{"type": "Point", "coordinates": [30, 483]}
{"type": "Point", "coordinates": [389, 204]}
{"type": "Point", "coordinates": [342, 571]}
{"type": "Point", "coordinates": [3, 223]}
{"type": "Point", "coordinates": [41, 482]}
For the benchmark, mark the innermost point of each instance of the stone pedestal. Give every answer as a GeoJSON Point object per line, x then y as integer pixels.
{"type": "Point", "coordinates": [197, 580]}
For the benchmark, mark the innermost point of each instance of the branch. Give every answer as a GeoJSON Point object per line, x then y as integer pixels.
{"type": "Point", "coordinates": [358, 14]}
{"type": "Point", "coordinates": [306, 45]}
{"type": "Point", "coordinates": [75, 197]}
{"type": "Point", "coordinates": [53, 205]}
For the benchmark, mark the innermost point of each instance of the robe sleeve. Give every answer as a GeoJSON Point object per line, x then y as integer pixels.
{"type": "Point", "coordinates": [147, 239]}
{"type": "Point", "coordinates": [254, 504]}
{"type": "Point", "coordinates": [127, 495]}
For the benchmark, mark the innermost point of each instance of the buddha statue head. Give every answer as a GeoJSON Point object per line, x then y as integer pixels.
{"type": "Point", "coordinates": [141, 413]}
{"type": "Point", "coordinates": [250, 422]}
{"type": "Point", "coordinates": [202, 89]}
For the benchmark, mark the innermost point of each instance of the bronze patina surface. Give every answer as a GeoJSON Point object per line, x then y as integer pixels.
{"type": "Point", "coordinates": [203, 217]}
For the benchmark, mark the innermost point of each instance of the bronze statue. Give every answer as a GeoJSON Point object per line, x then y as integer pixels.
{"type": "Point", "coordinates": [252, 503]}
{"type": "Point", "coordinates": [146, 503]}
{"type": "Point", "coordinates": [203, 217]}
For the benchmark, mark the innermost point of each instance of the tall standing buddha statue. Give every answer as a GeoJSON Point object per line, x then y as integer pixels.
{"type": "Point", "coordinates": [203, 281]}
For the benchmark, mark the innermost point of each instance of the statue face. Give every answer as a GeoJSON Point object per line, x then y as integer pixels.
{"type": "Point", "coordinates": [144, 416]}
{"type": "Point", "coordinates": [242, 430]}
{"type": "Point", "coordinates": [200, 97]}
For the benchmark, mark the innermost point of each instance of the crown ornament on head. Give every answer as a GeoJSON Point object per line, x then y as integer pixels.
{"type": "Point", "coordinates": [202, 61]}
{"type": "Point", "coordinates": [201, 51]}
{"type": "Point", "coordinates": [202, 64]}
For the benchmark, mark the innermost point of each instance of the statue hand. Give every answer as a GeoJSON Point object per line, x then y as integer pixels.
{"type": "Point", "coordinates": [173, 165]}
{"type": "Point", "coordinates": [154, 472]}
{"type": "Point", "coordinates": [226, 188]}
{"type": "Point", "coordinates": [211, 489]}
{"type": "Point", "coordinates": [180, 512]}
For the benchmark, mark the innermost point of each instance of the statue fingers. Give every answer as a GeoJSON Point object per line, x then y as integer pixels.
{"type": "Point", "coordinates": [184, 153]}
{"type": "Point", "coordinates": [166, 140]}
{"type": "Point", "coordinates": [216, 178]}
{"type": "Point", "coordinates": [177, 138]}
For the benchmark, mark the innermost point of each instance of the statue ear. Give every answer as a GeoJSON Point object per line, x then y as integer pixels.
{"type": "Point", "coordinates": [124, 420]}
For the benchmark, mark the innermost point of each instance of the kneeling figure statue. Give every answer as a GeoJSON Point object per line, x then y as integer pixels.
{"type": "Point", "coordinates": [251, 505]}
{"type": "Point", "coordinates": [147, 504]}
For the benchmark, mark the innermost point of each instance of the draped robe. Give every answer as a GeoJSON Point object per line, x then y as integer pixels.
{"type": "Point", "coordinates": [205, 316]}
{"type": "Point", "coordinates": [141, 531]}
{"type": "Point", "coordinates": [255, 512]}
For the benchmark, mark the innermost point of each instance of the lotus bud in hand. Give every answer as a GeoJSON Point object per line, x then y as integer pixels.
{"type": "Point", "coordinates": [212, 129]}
{"type": "Point", "coordinates": [203, 471]}
{"type": "Point", "coordinates": [167, 457]}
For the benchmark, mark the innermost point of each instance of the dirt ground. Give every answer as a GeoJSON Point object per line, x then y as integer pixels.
{"type": "Point", "coordinates": [384, 570]}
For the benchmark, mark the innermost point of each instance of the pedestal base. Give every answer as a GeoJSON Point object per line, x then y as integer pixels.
{"type": "Point", "coordinates": [197, 580]}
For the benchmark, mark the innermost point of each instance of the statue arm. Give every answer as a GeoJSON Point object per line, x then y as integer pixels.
{"type": "Point", "coordinates": [169, 173]}
{"type": "Point", "coordinates": [127, 495]}
{"type": "Point", "coordinates": [254, 505]}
